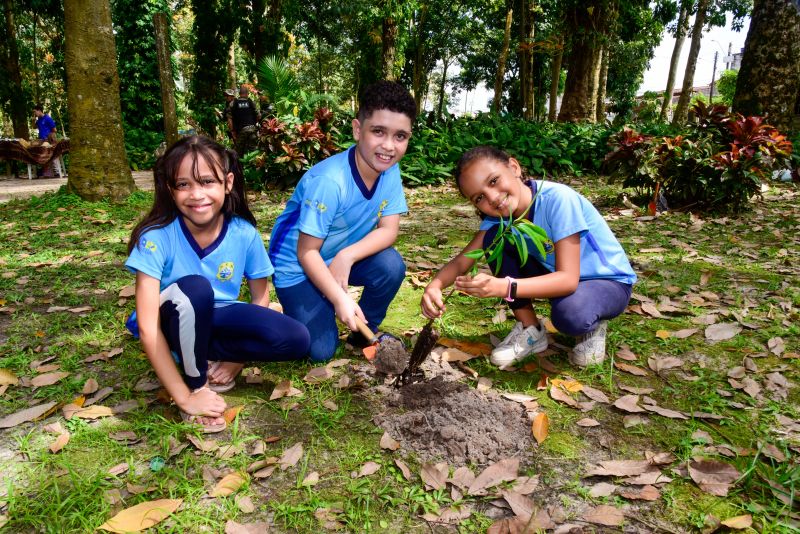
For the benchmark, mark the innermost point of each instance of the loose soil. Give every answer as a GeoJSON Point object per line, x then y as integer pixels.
{"type": "Point", "coordinates": [441, 419]}
{"type": "Point", "coordinates": [391, 357]}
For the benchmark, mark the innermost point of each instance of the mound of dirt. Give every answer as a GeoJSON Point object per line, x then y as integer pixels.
{"type": "Point", "coordinates": [391, 357]}
{"type": "Point", "coordinates": [440, 419]}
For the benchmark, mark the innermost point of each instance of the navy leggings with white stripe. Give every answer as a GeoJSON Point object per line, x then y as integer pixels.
{"type": "Point", "coordinates": [574, 314]}
{"type": "Point", "coordinates": [198, 332]}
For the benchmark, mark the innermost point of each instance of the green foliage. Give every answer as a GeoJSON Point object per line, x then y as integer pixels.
{"type": "Point", "coordinates": [718, 164]}
{"type": "Point", "coordinates": [140, 145]}
{"type": "Point", "coordinates": [280, 83]}
{"type": "Point", "coordinates": [727, 86]}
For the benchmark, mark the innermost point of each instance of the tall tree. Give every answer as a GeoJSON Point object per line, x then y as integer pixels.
{"type": "Point", "coordinates": [768, 82]}
{"type": "Point", "coordinates": [501, 64]}
{"type": "Point", "coordinates": [9, 50]}
{"type": "Point", "coordinates": [600, 111]}
{"type": "Point", "coordinates": [555, 78]}
{"type": "Point", "coordinates": [99, 168]}
{"type": "Point", "coordinates": [682, 108]}
{"type": "Point", "coordinates": [261, 29]}
{"type": "Point", "coordinates": [680, 36]}
{"type": "Point", "coordinates": [525, 50]}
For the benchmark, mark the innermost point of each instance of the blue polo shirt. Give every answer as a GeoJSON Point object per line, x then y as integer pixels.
{"type": "Point", "coordinates": [170, 253]}
{"type": "Point", "coordinates": [561, 211]}
{"type": "Point", "coordinates": [45, 124]}
{"type": "Point", "coordinates": [331, 202]}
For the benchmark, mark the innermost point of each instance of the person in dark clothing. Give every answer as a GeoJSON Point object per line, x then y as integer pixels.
{"type": "Point", "coordinates": [242, 122]}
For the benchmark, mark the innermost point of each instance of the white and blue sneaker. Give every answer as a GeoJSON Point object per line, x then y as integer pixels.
{"type": "Point", "coordinates": [519, 343]}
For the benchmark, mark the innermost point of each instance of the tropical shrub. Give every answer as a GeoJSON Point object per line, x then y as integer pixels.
{"type": "Point", "coordinates": [718, 163]}
{"type": "Point", "coordinates": [141, 145]}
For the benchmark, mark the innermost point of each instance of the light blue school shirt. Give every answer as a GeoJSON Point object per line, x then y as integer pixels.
{"type": "Point", "coordinates": [561, 211]}
{"type": "Point", "coordinates": [170, 253]}
{"type": "Point", "coordinates": [331, 202]}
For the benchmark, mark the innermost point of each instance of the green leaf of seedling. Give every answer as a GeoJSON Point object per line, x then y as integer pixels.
{"type": "Point", "coordinates": [476, 254]}
{"type": "Point", "coordinates": [536, 238]}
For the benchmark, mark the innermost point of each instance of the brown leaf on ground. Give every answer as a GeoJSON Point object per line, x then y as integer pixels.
{"type": "Point", "coordinates": [7, 378]}
{"type": "Point", "coordinates": [737, 372]}
{"type": "Point", "coordinates": [686, 332]}
{"type": "Point", "coordinates": [713, 476]}
{"type": "Point", "coordinates": [284, 389]}
{"type": "Point", "coordinates": [311, 479]}
{"type": "Point", "coordinates": [568, 385]}
{"type": "Point", "coordinates": [484, 384]}
{"type": "Point", "coordinates": [98, 396]}
{"type": "Point", "coordinates": [771, 451]}
{"type": "Point", "coordinates": [229, 484]}
{"type": "Point", "coordinates": [629, 403]}
{"type": "Point", "coordinates": [456, 355]}
{"type": "Point", "coordinates": [388, 442]}
{"type": "Point", "coordinates": [401, 465]}
{"type": "Point", "coordinates": [26, 415]}
{"type": "Point", "coordinates": [259, 527]}
{"type": "Point", "coordinates": [659, 364]}
{"type": "Point", "coordinates": [449, 516]}
{"type": "Point", "coordinates": [60, 442]}
{"type": "Point", "coordinates": [587, 422]}
{"type": "Point", "coordinates": [333, 364]}
{"type": "Point", "coordinates": [517, 397]}
{"type": "Point", "coordinates": [433, 475]}
{"type": "Point", "coordinates": [471, 347]}
{"type": "Point", "coordinates": [740, 522]}
{"type": "Point", "coordinates": [602, 489]}
{"type": "Point", "coordinates": [642, 493]}
{"type": "Point", "coordinates": [232, 413]}
{"type": "Point", "coordinates": [751, 387]}
{"type": "Point", "coordinates": [540, 427]}
{"type": "Point", "coordinates": [665, 412]}
{"type": "Point", "coordinates": [650, 477]}
{"type": "Point", "coordinates": [634, 420]}
{"type": "Point", "coordinates": [369, 468]}
{"type": "Point", "coordinates": [265, 472]}
{"type": "Point", "coordinates": [604, 515]}
{"type": "Point", "coordinates": [526, 485]}
{"type": "Point", "coordinates": [142, 516]}
{"type": "Point", "coordinates": [595, 394]}
{"type": "Point", "coordinates": [462, 477]}
{"type": "Point", "coordinates": [502, 471]}
{"type": "Point", "coordinates": [620, 468]}
{"type": "Point", "coordinates": [48, 379]}
{"type": "Point", "coordinates": [127, 291]}
{"type": "Point", "coordinates": [650, 309]}
{"type": "Point", "coordinates": [624, 353]}
{"type": "Point", "coordinates": [722, 331]}
{"type": "Point", "coordinates": [776, 346]}
{"type": "Point", "coordinates": [663, 334]}
{"type": "Point", "coordinates": [93, 412]}
{"type": "Point", "coordinates": [562, 396]}
{"type": "Point", "coordinates": [635, 390]}
{"type": "Point", "coordinates": [209, 445]}
{"type": "Point", "coordinates": [632, 369]}
{"type": "Point", "coordinates": [318, 374]}
{"type": "Point", "coordinates": [291, 456]}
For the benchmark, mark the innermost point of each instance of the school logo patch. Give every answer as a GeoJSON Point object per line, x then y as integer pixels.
{"type": "Point", "coordinates": [225, 271]}
{"type": "Point", "coordinates": [149, 245]}
{"type": "Point", "coordinates": [548, 246]}
{"type": "Point", "coordinates": [382, 207]}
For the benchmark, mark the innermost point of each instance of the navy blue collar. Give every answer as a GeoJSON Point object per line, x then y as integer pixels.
{"type": "Point", "coordinates": [203, 252]}
{"type": "Point", "coordinates": [351, 158]}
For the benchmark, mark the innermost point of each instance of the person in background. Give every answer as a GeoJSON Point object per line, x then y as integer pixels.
{"type": "Point", "coordinates": [47, 132]}
{"type": "Point", "coordinates": [243, 121]}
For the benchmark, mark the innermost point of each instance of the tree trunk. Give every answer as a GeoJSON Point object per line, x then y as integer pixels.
{"type": "Point", "coordinates": [19, 103]}
{"type": "Point", "coordinates": [587, 26]}
{"type": "Point", "coordinates": [555, 78]}
{"type": "Point", "coordinates": [597, 64]}
{"type": "Point", "coordinates": [99, 167]}
{"type": "Point", "coordinates": [501, 65]}
{"type": "Point", "coordinates": [232, 81]}
{"type": "Point", "coordinates": [161, 24]}
{"type": "Point", "coordinates": [680, 37]}
{"type": "Point", "coordinates": [440, 106]}
{"type": "Point", "coordinates": [682, 108]}
{"type": "Point", "coordinates": [389, 41]}
{"type": "Point", "coordinates": [526, 58]}
{"type": "Point", "coordinates": [769, 79]}
{"type": "Point", "coordinates": [600, 115]}
{"type": "Point", "coordinates": [418, 78]}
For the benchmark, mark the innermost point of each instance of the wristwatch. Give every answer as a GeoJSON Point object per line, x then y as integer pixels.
{"type": "Point", "coordinates": [512, 289]}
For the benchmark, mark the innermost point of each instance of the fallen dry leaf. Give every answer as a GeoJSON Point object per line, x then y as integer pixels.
{"type": "Point", "coordinates": [484, 384]}
{"type": "Point", "coordinates": [388, 442]}
{"type": "Point", "coordinates": [663, 334]}
{"type": "Point", "coordinates": [311, 479]}
{"type": "Point", "coordinates": [776, 346]}
{"type": "Point", "coordinates": [457, 355]}
{"type": "Point", "coordinates": [642, 493]}
{"type": "Point", "coordinates": [604, 515]}
{"type": "Point", "coordinates": [48, 379]}
{"type": "Point", "coordinates": [686, 332]}
{"type": "Point", "coordinates": [291, 456]}
{"type": "Point", "coordinates": [502, 471]}
{"type": "Point", "coordinates": [284, 389]}
{"type": "Point", "coordinates": [569, 385]}
{"type": "Point", "coordinates": [142, 516]}
{"type": "Point", "coordinates": [228, 485]}
{"type": "Point", "coordinates": [540, 427]}
{"type": "Point", "coordinates": [60, 442]}
{"type": "Point", "coordinates": [602, 489]}
{"type": "Point", "coordinates": [722, 331]}
{"type": "Point", "coordinates": [259, 527]}
{"type": "Point", "coordinates": [369, 468]}
{"type": "Point", "coordinates": [93, 412]}
{"type": "Point", "coordinates": [632, 369]}
{"type": "Point", "coordinates": [587, 422]}
{"type": "Point", "coordinates": [462, 477]}
{"type": "Point", "coordinates": [659, 364]}
{"type": "Point", "coordinates": [595, 394]}
{"type": "Point", "coordinates": [403, 468]}
{"type": "Point", "coordinates": [562, 396]}
{"type": "Point", "coordinates": [624, 353]}
{"type": "Point", "coordinates": [629, 403]}
{"type": "Point", "coordinates": [318, 374]}
{"type": "Point", "coordinates": [28, 414]}
{"type": "Point", "coordinates": [620, 468]}
{"type": "Point", "coordinates": [472, 347]}
{"type": "Point", "coordinates": [664, 412]}
{"type": "Point", "coordinates": [231, 413]}
{"type": "Point", "coordinates": [517, 397]}
{"type": "Point", "coordinates": [713, 476]}
{"type": "Point", "coordinates": [740, 522]}
{"type": "Point", "coordinates": [7, 378]}
{"type": "Point", "coordinates": [433, 475]}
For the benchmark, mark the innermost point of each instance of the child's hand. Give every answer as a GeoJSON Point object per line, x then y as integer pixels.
{"type": "Point", "coordinates": [432, 303]}
{"type": "Point", "coordinates": [203, 401]}
{"type": "Point", "coordinates": [482, 285]}
{"type": "Point", "coordinates": [346, 312]}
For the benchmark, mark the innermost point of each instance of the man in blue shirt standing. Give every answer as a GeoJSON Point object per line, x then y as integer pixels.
{"type": "Point", "coordinates": [45, 124]}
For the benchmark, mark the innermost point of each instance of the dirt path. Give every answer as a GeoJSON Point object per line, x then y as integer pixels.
{"type": "Point", "coordinates": [12, 188]}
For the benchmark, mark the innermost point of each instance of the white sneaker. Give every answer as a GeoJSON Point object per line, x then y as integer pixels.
{"type": "Point", "coordinates": [519, 343]}
{"type": "Point", "coordinates": [591, 347]}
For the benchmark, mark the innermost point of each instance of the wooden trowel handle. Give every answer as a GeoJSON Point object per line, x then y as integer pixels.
{"type": "Point", "coordinates": [368, 334]}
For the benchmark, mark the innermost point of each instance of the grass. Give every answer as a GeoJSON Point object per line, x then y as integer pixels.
{"type": "Point", "coordinates": [57, 250]}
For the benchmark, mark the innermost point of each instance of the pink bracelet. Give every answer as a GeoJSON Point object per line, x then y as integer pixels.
{"type": "Point", "coordinates": [509, 297]}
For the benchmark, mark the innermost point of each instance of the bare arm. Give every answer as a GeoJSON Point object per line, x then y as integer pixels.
{"type": "Point", "coordinates": [154, 344]}
{"type": "Point", "coordinates": [382, 237]}
{"type": "Point", "coordinates": [563, 281]}
{"type": "Point", "coordinates": [259, 291]}
{"type": "Point", "coordinates": [432, 303]}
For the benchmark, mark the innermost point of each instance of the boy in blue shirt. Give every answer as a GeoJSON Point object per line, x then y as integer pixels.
{"type": "Point", "coordinates": [339, 226]}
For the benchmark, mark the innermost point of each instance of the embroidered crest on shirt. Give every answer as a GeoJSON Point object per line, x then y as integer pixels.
{"type": "Point", "coordinates": [225, 271]}
{"type": "Point", "coordinates": [149, 245]}
{"type": "Point", "coordinates": [317, 205]}
{"type": "Point", "coordinates": [383, 205]}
